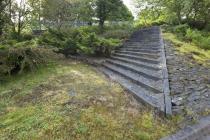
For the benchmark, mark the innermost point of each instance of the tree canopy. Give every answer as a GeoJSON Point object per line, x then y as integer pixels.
{"type": "Point", "coordinates": [111, 10]}
{"type": "Point", "coordinates": [36, 14]}
{"type": "Point", "coordinates": [196, 13]}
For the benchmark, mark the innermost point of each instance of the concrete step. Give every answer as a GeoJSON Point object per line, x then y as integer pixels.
{"type": "Point", "coordinates": [143, 44]}
{"type": "Point", "coordinates": [141, 94]}
{"type": "Point", "coordinates": [140, 66]}
{"type": "Point", "coordinates": [150, 74]}
{"type": "Point", "coordinates": [138, 63]}
{"type": "Point", "coordinates": [147, 60]}
{"type": "Point", "coordinates": [148, 55]}
{"type": "Point", "coordinates": [139, 47]}
{"type": "Point", "coordinates": [148, 84]}
{"type": "Point", "coordinates": [141, 50]}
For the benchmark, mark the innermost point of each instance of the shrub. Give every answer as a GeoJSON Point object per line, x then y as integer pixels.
{"type": "Point", "coordinates": [31, 43]}
{"type": "Point", "coordinates": [69, 47]}
{"type": "Point", "coordinates": [205, 43]}
{"type": "Point", "coordinates": [79, 41]}
{"type": "Point", "coordinates": [198, 38]}
{"type": "Point", "coordinates": [181, 29]}
{"type": "Point", "coordinates": [51, 39]}
{"type": "Point", "coordinates": [17, 60]}
{"type": "Point", "coordinates": [106, 46]}
{"type": "Point", "coordinates": [193, 35]}
{"type": "Point", "coordinates": [117, 34]}
{"type": "Point", "coordinates": [26, 36]}
{"type": "Point", "coordinates": [90, 29]}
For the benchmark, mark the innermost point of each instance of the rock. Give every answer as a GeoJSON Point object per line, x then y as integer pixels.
{"type": "Point", "coordinates": [189, 82]}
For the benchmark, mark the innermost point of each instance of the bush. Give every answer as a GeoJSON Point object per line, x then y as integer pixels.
{"type": "Point", "coordinates": [198, 38]}
{"type": "Point", "coordinates": [106, 46]}
{"type": "Point", "coordinates": [26, 36]}
{"type": "Point", "coordinates": [79, 41]}
{"type": "Point", "coordinates": [117, 34]}
{"type": "Point", "coordinates": [205, 43]}
{"type": "Point", "coordinates": [181, 29]}
{"type": "Point", "coordinates": [17, 60]}
{"type": "Point", "coordinates": [50, 39]}
{"type": "Point", "coordinates": [193, 35]}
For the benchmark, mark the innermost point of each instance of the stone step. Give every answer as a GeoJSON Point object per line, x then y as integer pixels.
{"type": "Point", "coordinates": [148, 84]}
{"type": "Point", "coordinates": [151, 74]}
{"type": "Point", "coordinates": [143, 59]}
{"type": "Point", "coordinates": [141, 50]}
{"type": "Point", "coordinates": [138, 63]}
{"type": "Point", "coordinates": [139, 54]}
{"type": "Point", "coordinates": [146, 39]}
{"type": "Point", "coordinates": [153, 44]}
{"type": "Point", "coordinates": [141, 94]}
{"type": "Point", "coordinates": [142, 46]}
{"type": "Point", "coordinates": [140, 66]}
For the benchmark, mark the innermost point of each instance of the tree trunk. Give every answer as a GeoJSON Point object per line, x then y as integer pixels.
{"type": "Point", "coordinates": [40, 24]}
{"type": "Point", "coordinates": [1, 31]}
{"type": "Point", "coordinates": [101, 24]}
{"type": "Point", "coordinates": [179, 17]}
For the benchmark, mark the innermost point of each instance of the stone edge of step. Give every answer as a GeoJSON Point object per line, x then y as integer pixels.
{"type": "Point", "coordinates": [145, 85]}
{"type": "Point", "coordinates": [157, 76]}
{"type": "Point", "coordinates": [195, 132]}
{"type": "Point", "coordinates": [140, 58]}
{"type": "Point", "coordinates": [138, 63]}
{"type": "Point", "coordinates": [166, 86]}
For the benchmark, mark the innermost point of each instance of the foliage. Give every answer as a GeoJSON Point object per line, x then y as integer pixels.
{"type": "Point", "coordinates": [17, 60]}
{"type": "Point", "coordinates": [195, 13]}
{"type": "Point", "coordinates": [117, 34]}
{"type": "Point", "coordinates": [111, 10]}
{"type": "Point", "coordinates": [59, 12]}
{"type": "Point", "coordinates": [181, 29]}
{"type": "Point", "coordinates": [106, 46]}
{"type": "Point", "coordinates": [188, 48]}
{"type": "Point", "coordinates": [3, 14]}
{"type": "Point", "coordinates": [79, 41]}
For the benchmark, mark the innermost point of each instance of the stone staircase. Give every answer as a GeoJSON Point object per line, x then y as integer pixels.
{"type": "Point", "coordinates": [140, 66]}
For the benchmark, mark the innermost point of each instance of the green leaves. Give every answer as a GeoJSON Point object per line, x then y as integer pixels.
{"type": "Point", "coordinates": [112, 10]}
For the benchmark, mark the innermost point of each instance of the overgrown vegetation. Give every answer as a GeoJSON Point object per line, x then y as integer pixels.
{"type": "Point", "coordinates": [186, 24]}
{"type": "Point", "coordinates": [31, 28]}
{"type": "Point", "coordinates": [194, 13]}
{"type": "Point", "coordinates": [79, 41]}
{"type": "Point", "coordinates": [60, 102]}
{"type": "Point", "coordinates": [187, 34]}
{"type": "Point", "coordinates": [188, 42]}
{"type": "Point", "coordinates": [17, 60]}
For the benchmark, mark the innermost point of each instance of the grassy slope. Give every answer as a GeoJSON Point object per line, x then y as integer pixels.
{"type": "Point", "coordinates": [71, 100]}
{"type": "Point", "coordinates": [200, 55]}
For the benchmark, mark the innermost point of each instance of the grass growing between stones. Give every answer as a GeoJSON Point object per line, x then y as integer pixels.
{"type": "Point", "coordinates": [70, 100]}
{"type": "Point", "coordinates": [200, 55]}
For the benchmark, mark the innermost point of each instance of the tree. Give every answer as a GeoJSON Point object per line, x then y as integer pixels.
{"type": "Point", "coordinates": [36, 13]}
{"type": "Point", "coordinates": [86, 11]}
{"type": "Point", "coordinates": [20, 16]}
{"type": "Point", "coordinates": [3, 14]}
{"type": "Point", "coordinates": [196, 13]}
{"type": "Point", "coordinates": [111, 10]}
{"type": "Point", "coordinates": [59, 12]}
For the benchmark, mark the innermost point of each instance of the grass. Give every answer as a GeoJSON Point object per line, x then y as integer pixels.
{"type": "Point", "coordinates": [199, 55]}
{"type": "Point", "coordinates": [70, 100]}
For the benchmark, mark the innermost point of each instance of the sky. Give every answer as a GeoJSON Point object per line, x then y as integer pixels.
{"type": "Point", "coordinates": [130, 5]}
